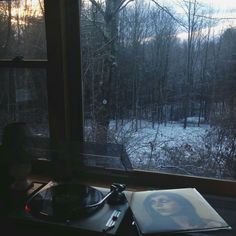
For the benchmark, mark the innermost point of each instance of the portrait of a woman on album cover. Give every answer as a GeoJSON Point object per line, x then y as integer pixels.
{"type": "Point", "coordinates": [176, 211]}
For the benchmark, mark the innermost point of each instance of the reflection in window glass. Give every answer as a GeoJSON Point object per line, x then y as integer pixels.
{"type": "Point", "coordinates": [159, 79]}
{"type": "Point", "coordinates": [22, 29]}
{"type": "Point", "coordinates": [23, 96]}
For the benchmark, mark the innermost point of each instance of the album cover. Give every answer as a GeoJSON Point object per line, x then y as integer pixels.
{"type": "Point", "coordinates": [182, 210]}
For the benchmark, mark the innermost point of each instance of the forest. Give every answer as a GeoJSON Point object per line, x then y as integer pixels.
{"type": "Point", "coordinates": [145, 64]}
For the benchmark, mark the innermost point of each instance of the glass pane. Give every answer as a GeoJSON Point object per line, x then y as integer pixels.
{"type": "Point", "coordinates": [22, 29]}
{"type": "Point", "coordinates": [23, 96]}
{"type": "Point", "coordinates": [159, 84]}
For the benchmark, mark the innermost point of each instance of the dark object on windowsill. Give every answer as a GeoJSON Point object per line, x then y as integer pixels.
{"type": "Point", "coordinates": [15, 156]}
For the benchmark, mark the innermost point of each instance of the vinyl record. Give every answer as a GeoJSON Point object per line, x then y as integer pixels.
{"type": "Point", "coordinates": [61, 202]}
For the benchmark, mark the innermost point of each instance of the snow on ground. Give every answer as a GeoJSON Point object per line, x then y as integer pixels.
{"type": "Point", "coordinates": [148, 145]}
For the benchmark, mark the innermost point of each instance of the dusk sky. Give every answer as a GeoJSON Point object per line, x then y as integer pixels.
{"type": "Point", "coordinates": [217, 9]}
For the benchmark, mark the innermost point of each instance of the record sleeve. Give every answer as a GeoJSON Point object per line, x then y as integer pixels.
{"type": "Point", "coordinates": [182, 210]}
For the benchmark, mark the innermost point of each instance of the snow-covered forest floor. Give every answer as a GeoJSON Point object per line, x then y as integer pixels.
{"type": "Point", "coordinates": [171, 148]}
{"type": "Point", "coordinates": [150, 146]}
{"type": "Point", "coordinates": [147, 146]}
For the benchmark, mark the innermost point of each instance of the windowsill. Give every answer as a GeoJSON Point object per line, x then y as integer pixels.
{"type": "Point", "coordinates": [104, 165]}
{"type": "Point", "coordinates": [136, 178]}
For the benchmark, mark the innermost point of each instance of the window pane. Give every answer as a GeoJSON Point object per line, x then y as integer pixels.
{"type": "Point", "coordinates": [159, 83]}
{"type": "Point", "coordinates": [23, 96]}
{"type": "Point", "coordinates": [22, 29]}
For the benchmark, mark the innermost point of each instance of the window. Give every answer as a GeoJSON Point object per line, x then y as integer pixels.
{"type": "Point", "coordinates": [24, 98]}
{"type": "Point", "coordinates": [22, 29]}
{"type": "Point", "coordinates": [23, 83]}
{"type": "Point", "coordinates": [159, 84]}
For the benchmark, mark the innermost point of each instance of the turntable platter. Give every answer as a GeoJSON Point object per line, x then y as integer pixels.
{"type": "Point", "coordinates": [61, 202]}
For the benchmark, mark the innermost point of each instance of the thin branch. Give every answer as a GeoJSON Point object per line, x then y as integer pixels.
{"type": "Point", "coordinates": [122, 7]}
{"type": "Point", "coordinates": [98, 6]}
{"type": "Point", "coordinates": [95, 23]}
{"type": "Point", "coordinates": [105, 45]}
{"type": "Point", "coordinates": [166, 10]}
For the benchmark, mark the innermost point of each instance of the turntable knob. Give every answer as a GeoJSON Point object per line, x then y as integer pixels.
{"type": "Point", "coordinates": [117, 198]}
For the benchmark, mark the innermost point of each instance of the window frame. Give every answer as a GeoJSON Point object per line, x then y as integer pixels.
{"type": "Point", "coordinates": [65, 104]}
{"type": "Point", "coordinates": [64, 72]}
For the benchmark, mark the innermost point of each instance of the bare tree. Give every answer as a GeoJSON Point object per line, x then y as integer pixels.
{"type": "Point", "coordinates": [109, 14]}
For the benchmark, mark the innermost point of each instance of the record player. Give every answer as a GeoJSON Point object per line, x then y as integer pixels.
{"type": "Point", "coordinates": [73, 207]}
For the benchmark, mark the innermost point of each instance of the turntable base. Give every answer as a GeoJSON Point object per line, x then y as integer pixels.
{"type": "Point", "coordinates": [105, 219]}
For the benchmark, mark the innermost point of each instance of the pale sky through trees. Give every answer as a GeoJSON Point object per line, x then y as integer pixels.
{"type": "Point", "coordinates": [217, 9]}
{"type": "Point", "coordinates": [223, 4]}
{"type": "Point", "coordinates": [223, 12]}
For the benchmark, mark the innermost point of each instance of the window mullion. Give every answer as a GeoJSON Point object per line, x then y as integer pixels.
{"type": "Point", "coordinates": [64, 73]}
{"type": "Point", "coordinates": [55, 72]}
